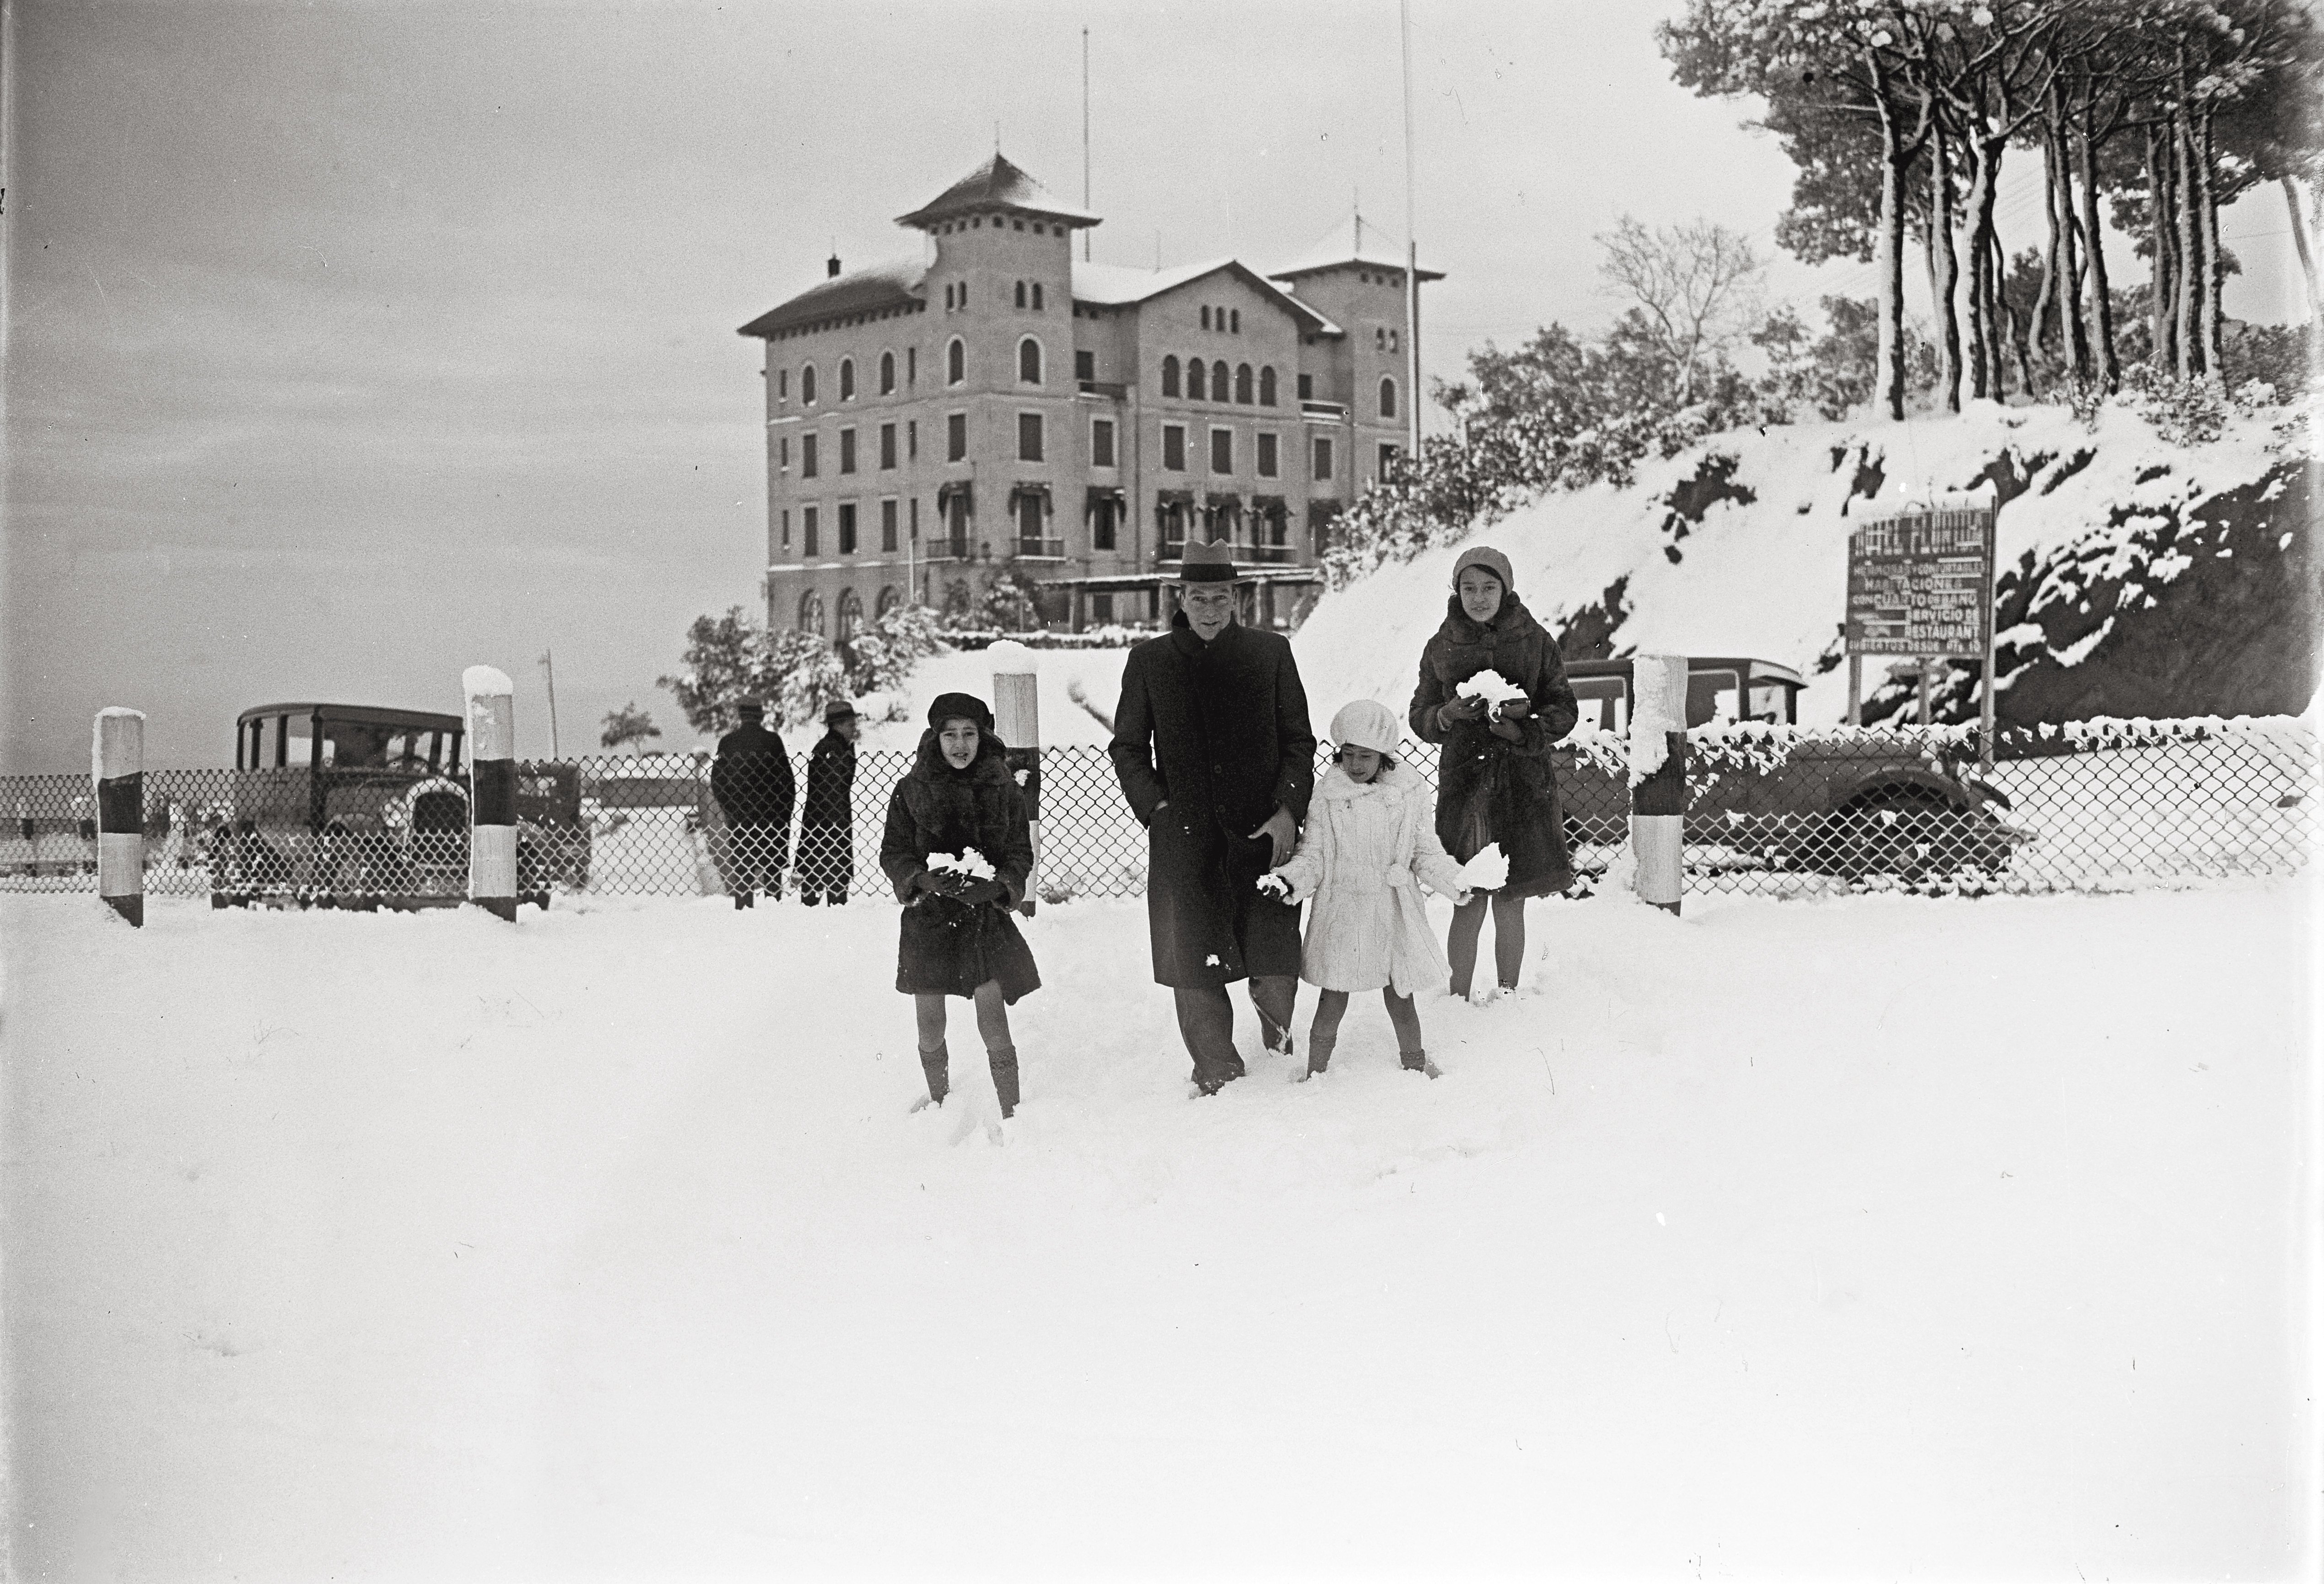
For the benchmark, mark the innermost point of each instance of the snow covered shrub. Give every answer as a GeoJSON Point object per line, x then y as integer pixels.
{"type": "Point", "coordinates": [2085, 398]}
{"type": "Point", "coordinates": [2184, 412]}
{"type": "Point", "coordinates": [806, 675]}
{"type": "Point", "coordinates": [880, 657]}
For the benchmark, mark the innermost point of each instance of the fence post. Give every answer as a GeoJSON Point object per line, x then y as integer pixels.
{"type": "Point", "coordinates": [1016, 716]}
{"type": "Point", "coordinates": [117, 765]}
{"type": "Point", "coordinates": [492, 789]}
{"type": "Point", "coordinates": [1658, 776]}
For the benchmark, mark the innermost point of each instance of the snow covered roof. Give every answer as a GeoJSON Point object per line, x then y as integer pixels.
{"type": "Point", "coordinates": [897, 283]}
{"type": "Point", "coordinates": [1352, 244]}
{"type": "Point", "coordinates": [1118, 286]}
{"type": "Point", "coordinates": [997, 184]}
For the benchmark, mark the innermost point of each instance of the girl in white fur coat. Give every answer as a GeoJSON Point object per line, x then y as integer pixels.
{"type": "Point", "coordinates": [1370, 844]}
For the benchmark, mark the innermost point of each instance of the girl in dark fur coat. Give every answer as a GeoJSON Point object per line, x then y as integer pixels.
{"type": "Point", "coordinates": [959, 932]}
{"type": "Point", "coordinates": [1494, 780]}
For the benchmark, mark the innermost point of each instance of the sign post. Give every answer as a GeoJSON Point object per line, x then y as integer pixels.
{"type": "Point", "coordinates": [1919, 586]}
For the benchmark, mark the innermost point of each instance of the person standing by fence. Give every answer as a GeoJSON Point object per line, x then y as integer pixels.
{"type": "Point", "coordinates": [751, 780]}
{"type": "Point", "coordinates": [827, 865]}
{"type": "Point", "coordinates": [1216, 756]}
{"type": "Point", "coordinates": [1494, 779]}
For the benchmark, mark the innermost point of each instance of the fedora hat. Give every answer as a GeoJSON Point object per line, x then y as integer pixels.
{"type": "Point", "coordinates": [1206, 564]}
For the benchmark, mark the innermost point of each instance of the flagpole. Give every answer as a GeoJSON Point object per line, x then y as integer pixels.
{"type": "Point", "coordinates": [1086, 230]}
{"type": "Point", "coordinates": [1412, 248]}
{"type": "Point", "coordinates": [549, 665]}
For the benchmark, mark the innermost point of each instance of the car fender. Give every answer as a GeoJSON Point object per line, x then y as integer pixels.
{"type": "Point", "coordinates": [1883, 777]}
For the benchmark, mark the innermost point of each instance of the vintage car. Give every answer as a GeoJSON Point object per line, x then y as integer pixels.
{"type": "Point", "coordinates": [350, 805]}
{"type": "Point", "coordinates": [1850, 805]}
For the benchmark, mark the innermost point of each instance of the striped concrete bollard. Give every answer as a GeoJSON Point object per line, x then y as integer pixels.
{"type": "Point", "coordinates": [492, 789]}
{"type": "Point", "coordinates": [117, 764]}
{"type": "Point", "coordinates": [1016, 718]}
{"type": "Point", "coordinates": [1658, 776]}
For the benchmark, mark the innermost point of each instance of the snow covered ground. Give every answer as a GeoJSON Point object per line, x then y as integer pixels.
{"type": "Point", "coordinates": [1871, 1237]}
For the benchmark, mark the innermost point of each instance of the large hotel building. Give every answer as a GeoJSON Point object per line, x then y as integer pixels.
{"type": "Point", "coordinates": [994, 402]}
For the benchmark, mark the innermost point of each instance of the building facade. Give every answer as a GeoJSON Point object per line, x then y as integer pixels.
{"type": "Point", "coordinates": [994, 404]}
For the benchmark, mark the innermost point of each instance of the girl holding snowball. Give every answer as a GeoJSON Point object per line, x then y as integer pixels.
{"type": "Point", "coordinates": [1365, 852]}
{"type": "Point", "coordinates": [1494, 781]}
{"type": "Point", "coordinates": [958, 848]}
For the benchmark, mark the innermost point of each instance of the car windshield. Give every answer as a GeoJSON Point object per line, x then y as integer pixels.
{"type": "Point", "coordinates": [351, 744]}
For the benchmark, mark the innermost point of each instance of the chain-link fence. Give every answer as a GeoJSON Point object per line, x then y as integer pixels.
{"type": "Point", "coordinates": [1772, 810]}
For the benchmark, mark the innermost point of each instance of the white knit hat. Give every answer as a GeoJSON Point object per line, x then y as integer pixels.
{"type": "Point", "coordinates": [1367, 724]}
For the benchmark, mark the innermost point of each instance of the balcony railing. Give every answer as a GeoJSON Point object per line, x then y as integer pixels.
{"type": "Point", "coordinates": [1323, 409]}
{"type": "Point", "coordinates": [1268, 554]}
{"type": "Point", "coordinates": [1170, 549]}
{"type": "Point", "coordinates": [943, 548]}
{"type": "Point", "coordinates": [1040, 549]}
{"type": "Point", "coordinates": [1110, 389]}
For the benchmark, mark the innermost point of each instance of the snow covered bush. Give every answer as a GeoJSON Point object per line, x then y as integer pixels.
{"type": "Point", "coordinates": [880, 657]}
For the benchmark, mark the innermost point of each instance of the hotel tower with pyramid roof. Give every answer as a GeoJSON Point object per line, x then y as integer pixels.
{"type": "Point", "coordinates": [991, 402]}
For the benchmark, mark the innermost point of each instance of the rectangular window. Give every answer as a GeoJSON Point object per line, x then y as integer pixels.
{"type": "Point", "coordinates": [1102, 609]}
{"type": "Point", "coordinates": [783, 454]}
{"type": "Point", "coordinates": [1085, 366]}
{"type": "Point", "coordinates": [1101, 526]}
{"type": "Point", "coordinates": [1387, 459]}
{"type": "Point", "coordinates": [847, 451]}
{"type": "Point", "coordinates": [914, 523]}
{"type": "Point", "coordinates": [787, 530]}
{"type": "Point", "coordinates": [1101, 442]}
{"type": "Point", "coordinates": [911, 365]}
{"type": "Point", "coordinates": [1029, 437]}
{"type": "Point", "coordinates": [1267, 463]}
{"type": "Point", "coordinates": [956, 438]}
{"type": "Point", "coordinates": [888, 527]}
{"type": "Point", "coordinates": [806, 455]}
{"type": "Point", "coordinates": [887, 445]}
{"type": "Point", "coordinates": [1223, 450]}
{"type": "Point", "coordinates": [847, 528]}
{"type": "Point", "coordinates": [1322, 456]}
{"type": "Point", "coordinates": [1306, 387]}
{"type": "Point", "coordinates": [912, 441]}
{"type": "Point", "coordinates": [1029, 518]}
{"type": "Point", "coordinates": [1174, 447]}
{"type": "Point", "coordinates": [808, 527]}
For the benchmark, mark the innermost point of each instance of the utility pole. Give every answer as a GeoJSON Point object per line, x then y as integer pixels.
{"type": "Point", "coordinates": [1412, 250]}
{"type": "Point", "coordinates": [1087, 231]}
{"type": "Point", "coordinates": [549, 665]}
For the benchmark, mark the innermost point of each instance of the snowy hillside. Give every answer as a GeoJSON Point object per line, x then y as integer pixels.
{"type": "Point", "coordinates": [2137, 578]}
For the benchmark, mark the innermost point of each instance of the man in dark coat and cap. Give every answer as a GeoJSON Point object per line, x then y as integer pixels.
{"type": "Point", "coordinates": [1217, 757]}
{"type": "Point", "coordinates": [751, 780]}
{"type": "Point", "coordinates": [827, 857]}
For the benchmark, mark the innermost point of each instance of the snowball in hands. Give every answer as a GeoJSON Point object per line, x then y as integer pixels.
{"type": "Point", "coordinates": [970, 864]}
{"type": "Point", "coordinates": [1274, 885]}
{"type": "Point", "coordinates": [1488, 870]}
{"type": "Point", "coordinates": [1493, 688]}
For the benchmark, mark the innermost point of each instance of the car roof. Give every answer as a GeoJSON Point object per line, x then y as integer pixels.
{"type": "Point", "coordinates": [1758, 670]}
{"type": "Point", "coordinates": [360, 714]}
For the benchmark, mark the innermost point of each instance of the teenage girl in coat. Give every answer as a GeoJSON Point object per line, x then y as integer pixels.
{"type": "Point", "coordinates": [959, 932]}
{"type": "Point", "coordinates": [1367, 849]}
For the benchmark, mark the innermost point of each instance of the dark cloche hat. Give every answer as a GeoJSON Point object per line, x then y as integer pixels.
{"type": "Point", "coordinates": [959, 706]}
{"type": "Point", "coordinates": [749, 708]}
{"type": "Point", "coordinates": [1206, 564]}
{"type": "Point", "coordinates": [838, 711]}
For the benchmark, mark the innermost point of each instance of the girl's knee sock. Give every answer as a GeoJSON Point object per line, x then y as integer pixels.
{"type": "Point", "coordinates": [1003, 1060]}
{"type": "Point", "coordinates": [937, 1065]}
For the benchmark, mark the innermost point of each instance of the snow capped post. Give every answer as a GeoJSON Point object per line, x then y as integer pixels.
{"type": "Point", "coordinates": [1016, 718]}
{"type": "Point", "coordinates": [117, 764]}
{"type": "Point", "coordinates": [492, 789]}
{"type": "Point", "coordinates": [1658, 775]}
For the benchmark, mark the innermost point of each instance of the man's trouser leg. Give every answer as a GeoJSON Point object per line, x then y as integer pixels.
{"type": "Point", "coordinates": [1274, 995]}
{"type": "Point", "coordinates": [1206, 1022]}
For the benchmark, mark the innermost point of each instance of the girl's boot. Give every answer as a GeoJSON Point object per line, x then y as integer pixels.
{"type": "Point", "coordinates": [1319, 1053]}
{"type": "Point", "coordinates": [937, 1065]}
{"type": "Point", "coordinates": [1418, 1062]}
{"type": "Point", "coordinates": [1004, 1076]}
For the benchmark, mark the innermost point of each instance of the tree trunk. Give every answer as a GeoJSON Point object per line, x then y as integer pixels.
{"type": "Point", "coordinates": [2069, 293]}
{"type": "Point", "coordinates": [1888, 254]}
{"type": "Point", "coordinates": [2018, 329]}
{"type": "Point", "coordinates": [1944, 269]}
{"type": "Point", "coordinates": [2186, 326]}
{"type": "Point", "coordinates": [2300, 244]}
{"type": "Point", "coordinates": [2215, 273]}
{"type": "Point", "coordinates": [2047, 288]}
{"type": "Point", "coordinates": [2109, 368]}
{"type": "Point", "coordinates": [2162, 222]}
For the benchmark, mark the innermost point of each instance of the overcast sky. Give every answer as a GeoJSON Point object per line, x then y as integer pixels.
{"type": "Point", "coordinates": [353, 344]}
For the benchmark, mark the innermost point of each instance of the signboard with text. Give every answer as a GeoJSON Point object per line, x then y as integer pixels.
{"type": "Point", "coordinates": [1920, 584]}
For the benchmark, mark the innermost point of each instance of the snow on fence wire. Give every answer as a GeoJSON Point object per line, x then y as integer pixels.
{"type": "Point", "coordinates": [2094, 806]}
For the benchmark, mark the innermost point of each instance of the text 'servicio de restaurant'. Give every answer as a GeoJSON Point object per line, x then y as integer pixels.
{"type": "Point", "coordinates": [996, 400]}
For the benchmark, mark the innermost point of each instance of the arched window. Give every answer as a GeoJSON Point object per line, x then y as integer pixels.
{"type": "Point", "coordinates": [1020, 293]}
{"type": "Point", "coordinates": [851, 614]}
{"type": "Point", "coordinates": [887, 373]}
{"type": "Point", "coordinates": [847, 379]}
{"type": "Point", "coordinates": [955, 362]}
{"type": "Point", "coordinates": [1028, 361]}
{"type": "Point", "coordinates": [1170, 377]}
{"type": "Point", "coordinates": [889, 600]}
{"type": "Point", "coordinates": [782, 385]}
{"type": "Point", "coordinates": [1387, 398]}
{"type": "Point", "coordinates": [1196, 389]}
{"type": "Point", "coordinates": [1206, 316]}
{"type": "Point", "coordinates": [1218, 380]}
{"type": "Point", "coordinates": [807, 385]}
{"type": "Point", "coordinates": [1234, 321]}
{"type": "Point", "coordinates": [1037, 294]}
{"type": "Point", "coordinates": [810, 616]}
{"type": "Point", "coordinates": [1242, 384]}
{"type": "Point", "coordinates": [1266, 385]}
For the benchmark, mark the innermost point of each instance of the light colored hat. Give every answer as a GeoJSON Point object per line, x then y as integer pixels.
{"type": "Point", "coordinates": [1487, 556]}
{"type": "Point", "coordinates": [1367, 724]}
{"type": "Point", "coordinates": [1206, 564]}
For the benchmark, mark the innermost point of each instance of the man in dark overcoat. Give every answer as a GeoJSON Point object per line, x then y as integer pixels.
{"type": "Point", "coordinates": [1217, 757]}
{"type": "Point", "coordinates": [751, 780]}
{"type": "Point", "coordinates": [826, 857]}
